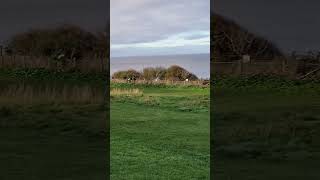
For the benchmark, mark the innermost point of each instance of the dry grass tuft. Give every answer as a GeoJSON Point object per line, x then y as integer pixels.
{"type": "Point", "coordinates": [31, 94]}
{"type": "Point", "coordinates": [126, 92]}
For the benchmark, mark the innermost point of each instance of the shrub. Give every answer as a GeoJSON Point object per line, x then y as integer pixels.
{"type": "Point", "coordinates": [132, 74]}
{"type": "Point", "coordinates": [68, 41]}
{"type": "Point", "coordinates": [154, 73]}
{"type": "Point", "coordinates": [231, 41]}
{"type": "Point", "coordinates": [178, 73]}
{"type": "Point", "coordinates": [174, 72]}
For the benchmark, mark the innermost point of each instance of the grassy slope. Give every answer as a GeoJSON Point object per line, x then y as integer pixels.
{"type": "Point", "coordinates": [266, 129]}
{"type": "Point", "coordinates": [160, 135]}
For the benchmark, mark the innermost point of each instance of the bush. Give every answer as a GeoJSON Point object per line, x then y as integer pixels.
{"type": "Point", "coordinates": [154, 73]}
{"type": "Point", "coordinates": [68, 41]}
{"type": "Point", "coordinates": [132, 74]}
{"type": "Point", "coordinates": [178, 73]}
{"type": "Point", "coordinates": [175, 73]}
{"type": "Point", "coordinates": [230, 41]}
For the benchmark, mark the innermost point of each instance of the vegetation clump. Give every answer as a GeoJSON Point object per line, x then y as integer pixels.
{"type": "Point", "coordinates": [154, 73]}
{"type": "Point", "coordinates": [178, 73]}
{"type": "Point", "coordinates": [174, 72]}
{"type": "Point", "coordinates": [232, 41]}
{"type": "Point", "coordinates": [129, 74]}
{"type": "Point", "coordinates": [65, 41]}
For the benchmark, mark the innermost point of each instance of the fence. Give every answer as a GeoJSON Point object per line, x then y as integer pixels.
{"type": "Point", "coordinates": [93, 63]}
{"type": "Point", "coordinates": [278, 66]}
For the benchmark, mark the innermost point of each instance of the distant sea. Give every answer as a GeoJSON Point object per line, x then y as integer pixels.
{"type": "Point", "coordinates": [198, 64]}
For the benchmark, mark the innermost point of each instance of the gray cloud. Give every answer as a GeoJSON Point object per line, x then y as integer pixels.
{"type": "Point", "coordinates": [134, 21]}
{"type": "Point", "coordinates": [291, 24]}
{"type": "Point", "coordinates": [21, 15]}
{"type": "Point", "coordinates": [196, 36]}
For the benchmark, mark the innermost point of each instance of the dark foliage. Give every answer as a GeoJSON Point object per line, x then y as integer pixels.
{"type": "Point", "coordinates": [229, 41]}
{"type": "Point", "coordinates": [154, 73]}
{"type": "Point", "coordinates": [65, 41]}
{"type": "Point", "coordinates": [178, 73]}
{"type": "Point", "coordinates": [129, 74]}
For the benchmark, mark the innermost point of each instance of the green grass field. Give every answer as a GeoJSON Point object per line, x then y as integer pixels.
{"type": "Point", "coordinates": [162, 133]}
{"type": "Point", "coordinates": [52, 129]}
{"type": "Point", "coordinates": [53, 142]}
{"type": "Point", "coordinates": [265, 128]}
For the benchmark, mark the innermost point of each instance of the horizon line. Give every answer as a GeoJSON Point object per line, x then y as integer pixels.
{"type": "Point", "coordinates": [177, 54]}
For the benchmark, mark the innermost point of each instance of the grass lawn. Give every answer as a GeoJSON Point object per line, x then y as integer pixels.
{"type": "Point", "coordinates": [35, 155]}
{"type": "Point", "coordinates": [161, 134]}
{"type": "Point", "coordinates": [266, 128]}
{"type": "Point", "coordinates": [263, 128]}
{"type": "Point", "coordinates": [45, 140]}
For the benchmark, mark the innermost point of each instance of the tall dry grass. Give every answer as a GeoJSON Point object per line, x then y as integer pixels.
{"type": "Point", "coordinates": [125, 92]}
{"type": "Point", "coordinates": [23, 94]}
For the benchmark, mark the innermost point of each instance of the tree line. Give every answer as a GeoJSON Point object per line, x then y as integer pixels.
{"type": "Point", "coordinates": [230, 41]}
{"type": "Point", "coordinates": [65, 41]}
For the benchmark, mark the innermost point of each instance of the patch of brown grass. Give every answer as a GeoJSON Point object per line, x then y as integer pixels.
{"type": "Point", "coordinates": [126, 92]}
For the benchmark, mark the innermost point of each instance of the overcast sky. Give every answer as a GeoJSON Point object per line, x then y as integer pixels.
{"type": "Point", "coordinates": [144, 27]}
{"type": "Point", "coordinates": [291, 24]}
{"type": "Point", "coordinates": [158, 27]}
{"type": "Point", "coordinates": [20, 15]}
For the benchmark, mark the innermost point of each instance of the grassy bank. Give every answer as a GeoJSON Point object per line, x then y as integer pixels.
{"type": "Point", "coordinates": [160, 132]}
